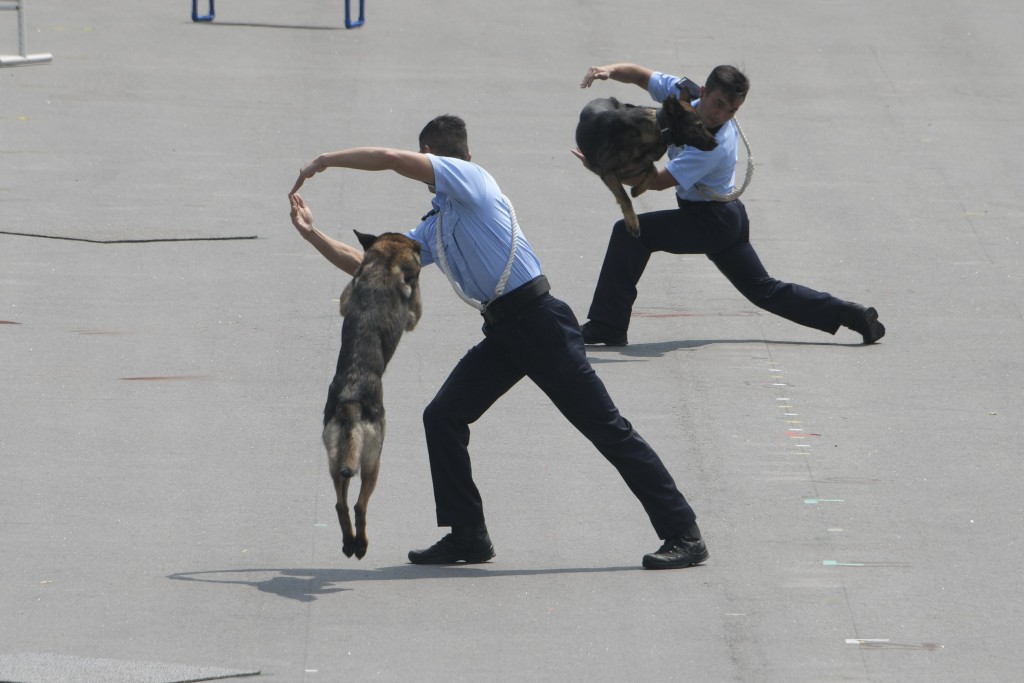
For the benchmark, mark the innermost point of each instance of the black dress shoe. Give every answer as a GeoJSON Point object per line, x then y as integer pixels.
{"type": "Point", "coordinates": [595, 332]}
{"type": "Point", "coordinates": [684, 550]}
{"type": "Point", "coordinates": [469, 544]}
{"type": "Point", "coordinates": [863, 320]}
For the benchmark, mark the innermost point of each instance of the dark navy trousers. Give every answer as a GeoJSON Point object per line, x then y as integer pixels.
{"type": "Point", "coordinates": [722, 231]}
{"type": "Point", "coordinates": [541, 341]}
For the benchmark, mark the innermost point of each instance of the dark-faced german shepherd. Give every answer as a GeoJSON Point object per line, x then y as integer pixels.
{"type": "Point", "coordinates": [622, 141]}
{"type": "Point", "coordinates": [381, 301]}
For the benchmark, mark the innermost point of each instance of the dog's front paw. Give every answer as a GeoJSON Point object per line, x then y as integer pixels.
{"type": "Point", "coordinates": [638, 190]}
{"type": "Point", "coordinates": [349, 547]}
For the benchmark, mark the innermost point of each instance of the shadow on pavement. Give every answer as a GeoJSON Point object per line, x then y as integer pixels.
{"type": "Point", "coordinates": [659, 349]}
{"type": "Point", "coordinates": [305, 585]}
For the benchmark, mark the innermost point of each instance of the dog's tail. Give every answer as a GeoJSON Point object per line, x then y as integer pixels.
{"type": "Point", "coordinates": [343, 437]}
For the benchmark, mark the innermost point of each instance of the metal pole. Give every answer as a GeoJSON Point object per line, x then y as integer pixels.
{"type": "Point", "coordinates": [22, 50]}
{"type": "Point", "coordinates": [22, 58]}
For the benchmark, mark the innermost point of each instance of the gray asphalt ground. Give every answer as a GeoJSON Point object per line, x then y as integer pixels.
{"type": "Point", "coordinates": [164, 499]}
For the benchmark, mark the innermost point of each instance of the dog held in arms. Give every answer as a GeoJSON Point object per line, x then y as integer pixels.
{"type": "Point", "coordinates": [622, 141]}
{"type": "Point", "coordinates": [381, 301]}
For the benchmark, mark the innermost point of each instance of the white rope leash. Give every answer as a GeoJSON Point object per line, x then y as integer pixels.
{"type": "Point", "coordinates": [714, 196]}
{"type": "Point", "coordinates": [442, 260]}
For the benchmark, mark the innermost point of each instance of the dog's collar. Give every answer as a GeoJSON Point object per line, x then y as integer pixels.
{"type": "Point", "coordinates": [666, 132]}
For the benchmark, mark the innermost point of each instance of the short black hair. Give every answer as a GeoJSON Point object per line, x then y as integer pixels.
{"type": "Point", "coordinates": [446, 136]}
{"type": "Point", "coordinates": [729, 80]}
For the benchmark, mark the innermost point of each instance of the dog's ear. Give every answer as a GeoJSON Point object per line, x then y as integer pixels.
{"type": "Point", "coordinates": [673, 105]}
{"type": "Point", "coordinates": [678, 109]}
{"type": "Point", "coordinates": [365, 239]}
{"type": "Point", "coordinates": [685, 105]}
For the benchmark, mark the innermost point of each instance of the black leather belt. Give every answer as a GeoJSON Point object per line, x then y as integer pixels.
{"type": "Point", "coordinates": [507, 304]}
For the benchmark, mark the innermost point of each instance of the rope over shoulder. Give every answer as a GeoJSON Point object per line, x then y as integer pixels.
{"type": "Point", "coordinates": [714, 196]}
{"type": "Point", "coordinates": [442, 259]}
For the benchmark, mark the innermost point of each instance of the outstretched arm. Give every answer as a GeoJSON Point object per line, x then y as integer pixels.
{"type": "Point", "coordinates": [624, 73]}
{"type": "Point", "coordinates": [345, 257]}
{"type": "Point", "coordinates": [409, 164]}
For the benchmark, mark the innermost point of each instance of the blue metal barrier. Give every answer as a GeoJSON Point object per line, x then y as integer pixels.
{"type": "Point", "coordinates": [205, 17]}
{"type": "Point", "coordinates": [348, 22]}
{"type": "Point", "coordinates": [348, 13]}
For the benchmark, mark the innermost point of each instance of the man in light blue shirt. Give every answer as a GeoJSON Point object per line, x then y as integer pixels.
{"type": "Point", "coordinates": [719, 229]}
{"type": "Point", "coordinates": [527, 333]}
{"type": "Point", "coordinates": [476, 237]}
{"type": "Point", "coordinates": [715, 168]}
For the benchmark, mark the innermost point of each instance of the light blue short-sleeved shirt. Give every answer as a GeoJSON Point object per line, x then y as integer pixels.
{"type": "Point", "coordinates": [477, 230]}
{"type": "Point", "coordinates": [688, 165]}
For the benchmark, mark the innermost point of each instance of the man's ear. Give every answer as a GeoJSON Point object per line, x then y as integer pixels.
{"type": "Point", "coordinates": [365, 239]}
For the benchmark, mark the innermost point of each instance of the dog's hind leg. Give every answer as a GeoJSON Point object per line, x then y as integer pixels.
{"type": "Point", "coordinates": [611, 180]}
{"type": "Point", "coordinates": [348, 541]}
{"type": "Point", "coordinates": [368, 484]}
{"type": "Point", "coordinates": [371, 441]}
{"type": "Point", "coordinates": [341, 439]}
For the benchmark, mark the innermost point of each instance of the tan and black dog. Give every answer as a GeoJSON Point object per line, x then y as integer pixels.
{"type": "Point", "coordinates": [622, 141]}
{"type": "Point", "coordinates": [379, 304]}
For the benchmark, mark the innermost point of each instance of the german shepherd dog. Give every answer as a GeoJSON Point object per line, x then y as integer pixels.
{"type": "Point", "coordinates": [622, 141]}
{"type": "Point", "coordinates": [381, 301]}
